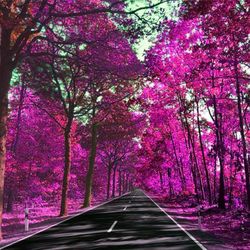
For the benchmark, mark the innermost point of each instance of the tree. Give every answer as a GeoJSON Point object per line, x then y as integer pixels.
{"type": "Point", "coordinates": [22, 23]}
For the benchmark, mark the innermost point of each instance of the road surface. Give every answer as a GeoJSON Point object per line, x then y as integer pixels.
{"type": "Point", "coordinates": [132, 221]}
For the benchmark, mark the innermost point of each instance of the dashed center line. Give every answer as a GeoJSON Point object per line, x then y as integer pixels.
{"type": "Point", "coordinates": [112, 227]}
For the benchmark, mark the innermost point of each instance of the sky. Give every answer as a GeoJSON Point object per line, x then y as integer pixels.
{"type": "Point", "coordinates": [169, 10]}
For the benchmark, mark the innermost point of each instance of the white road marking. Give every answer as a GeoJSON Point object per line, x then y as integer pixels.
{"type": "Point", "coordinates": [70, 217]}
{"type": "Point", "coordinates": [183, 229]}
{"type": "Point", "coordinates": [125, 208]}
{"type": "Point", "coordinates": [112, 227]}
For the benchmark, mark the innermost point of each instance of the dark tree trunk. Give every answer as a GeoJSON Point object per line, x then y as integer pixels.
{"type": "Point", "coordinates": [171, 190]}
{"type": "Point", "coordinates": [130, 185]}
{"type": "Point", "coordinates": [178, 163]}
{"type": "Point", "coordinates": [114, 180]}
{"type": "Point", "coordinates": [161, 179]}
{"type": "Point", "coordinates": [220, 153]}
{"type": "Point", "coordinates": [192, 168]}
{"type": "Point", "coordinates": [126, 184]}
{"type": "Point", "coordinates": [184, 183]}
{"type": "Point", "coordinates": [5, 77]}
{"type": "Point", "coordinates": [66, 172]}
{"type": "Point", "coordinates": [108, 181]}
{"type": "Point", "coordinates": [194, 164]}
{"type": "Point", "coordinates": [123, 183]}
{"type": "Point", "coordinates": [195, 182]}
{"type": "Point", "coordinates": [19, 118]}
{"type": "Point", "coordinates": [92, 156]}
{"type": "Point", "coordinates": [203, 153]}
{"type": "Point", "coordinates": [232, 179]}
{"type": "Point", "coordinates": [215, 178]}
{"type": "Point", "coordinates": [197, 168]}
{"type": "Point", "coordinates": [242, 132]}
{"type": "Point", "coordinates": [10, 200]}
{"type": "Point", "coordinates": [120, 183]}
{"type": "Point", "coordinates": [219, 150]}
{"type": "Point", "coordinates": [11, 192]}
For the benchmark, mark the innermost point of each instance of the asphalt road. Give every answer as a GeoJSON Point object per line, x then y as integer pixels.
{"type": "Point", "coordinates": [132, 221]}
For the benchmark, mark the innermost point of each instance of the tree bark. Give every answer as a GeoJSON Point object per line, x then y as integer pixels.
{"type": "Point", "coordinates": [3, 138]}
{"type": "Point", "coordinates": [171, 190]}
{"type": "Point", "coordinates": [126, 183]}
{"type": "Point", "coordinates": [108, 181]}
{"type": "Point", "coordinates": [180, 170]}
{"type": "Point", "coordinates": [6, 68]}
{"type": "Point", "coordinates": [66, 172]}
{"type": "Point", "coordinates": [242, 133]}
{"type": "Point", "coordinates": [220, 153]}
{"type": "Point", "coordinates": [10, 199]}
{"type": "Point", "coordinates": [92, 156]}
{"type": "Point", "coordinates": [215, 178]}
{"type": "Point", "coordinates": [161, 179]}
{"type": "Point", "coordinates": [189, 149]}
{"type": "Point", "coordinates": [120, 183]}
{"type": "Point", "coordinates": [231, 181]}
{"type": "Point", "coordinates": [123, 183]}
{"type": "Point", "coordinates": [203, 153]}
{"type": "Point", "coordinates": [19, 119]}
{"type": "Point", "coordinates": [11, 188]}
{"type": "Point", "coordinates": [114, 180]}
{"type": "Point", "coordinates": [219, 149]}
{"type": "Point", "coordinates": [195, 167]}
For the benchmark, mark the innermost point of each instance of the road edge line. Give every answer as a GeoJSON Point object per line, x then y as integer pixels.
{"type": "Point", "coordinates": [56, 224]}
{"type": "Point", "coordinates": [183, 229]}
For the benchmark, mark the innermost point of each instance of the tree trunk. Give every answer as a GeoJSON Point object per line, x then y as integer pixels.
{"type": "Point", "coordinates": [114, 180]}
{"type": "Point", "coordinates": [3, 137]}
{"type": "Point", "coordinates": [178, 163]}
{"type": "Point", "coordinates": [171, 190]}
{"type": "Point", "coordinates": [161, 179]}
{"type": "Point", "coordinates": [92, 155]}
{"type": "Point", "coordinates": [130, 185]}
{"type": "Point", "coordinates": [19, 119]}
{"type": "Point", "coordinates": [6, 68]}
{"type": "Point", "coordinates": [108, 181]}
{"type": "Point", "coordinates": [184, 183]}
{"type": "Point", "coordinates": [197, 167]}
{"type": "Point", "coordinates": [5, 77]}
{"type": "Point", "coordinates": [232, 179]}
{"type": "Point", "coordinates": [221, 200]}
{"type": "Point", "coordinates": [188, 147]}
{"type": "Point", "coordinates": [203, 153]}
{"type": "Point", "coordinates": [66, 172]}
{"type": "Point", "coordinates": [120, 183]}
{"type": "Point", "coordinates": [195, 182]}
{"type": "Point", "coordinates": [123, 183]}
{"type": "Point", "coordinates": [193, 159]}
{"type": "Point", "coordinates": [10, 193]}
{"type": "Point", "coordinates": [215, 178]}
{"type": "Point", "coordinates": [10, 199]}
{"type": "Point", "coordinates": [242, 133]}
{"type": "Point", "coordinates": [126, 183]}
{"type": "Point", "coordinates": [220, 150]}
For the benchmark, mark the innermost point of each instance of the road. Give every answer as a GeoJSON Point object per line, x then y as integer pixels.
{"type": "Point", "coordinates": [132, 221]}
